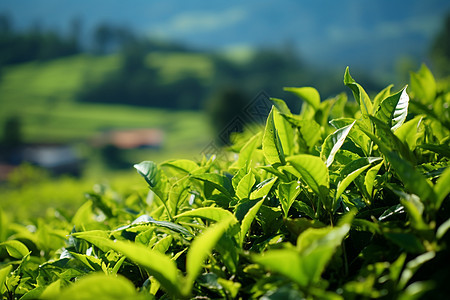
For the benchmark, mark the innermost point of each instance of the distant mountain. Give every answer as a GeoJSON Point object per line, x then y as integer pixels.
{"type": "Point", "coordinates": [361, 33]}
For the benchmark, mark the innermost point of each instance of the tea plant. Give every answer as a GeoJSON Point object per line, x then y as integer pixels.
{"type": "Point", "coordinates": [345, 200]}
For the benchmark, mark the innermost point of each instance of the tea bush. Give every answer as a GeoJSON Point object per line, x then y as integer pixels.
{"type": "Point", "coordinates": [345, 200]}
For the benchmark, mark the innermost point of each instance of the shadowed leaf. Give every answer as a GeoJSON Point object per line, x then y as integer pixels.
{"type": "Point", "coordinates": [353, 170]}
{"type": "Point", "coordinates": [220, 182]}
{"type": "Point", "coordinates": [313, 172]}
{"type": "Point", "coordinates": [15, 248]}
{"type": "Point", "coordinates": [287, 193]}
{"type": "Point", "coordinates": [248, 219]}
{"type": "Point", "coordinates": [200, 248]}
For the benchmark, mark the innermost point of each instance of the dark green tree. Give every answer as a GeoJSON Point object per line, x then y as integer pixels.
{"type": "Point", "coordinates": [225, 112]}
{"type": "Point", "coordinates": [440, 49]}
{"type": "Point", "coordinates": [12, 138]}
{"type": "Point", "coordinates": [12, 132]}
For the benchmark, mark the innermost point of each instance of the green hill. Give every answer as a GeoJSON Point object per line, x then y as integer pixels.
{"type": "Point", "coordinates": [43, 94]}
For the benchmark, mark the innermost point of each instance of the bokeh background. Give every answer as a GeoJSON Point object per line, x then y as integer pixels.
{"type": "Point", "coordinates": [90, 87]}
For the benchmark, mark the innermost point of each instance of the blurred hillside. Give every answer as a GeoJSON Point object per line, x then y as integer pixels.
{"type": "Point", "coordinates": [48, 78]}
{"type": "Point", "coordinates": [371, 35]}
{"type": "Point", "coordinates": [55, 90]}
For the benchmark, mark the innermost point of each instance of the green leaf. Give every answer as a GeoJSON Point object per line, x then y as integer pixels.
{"type": "Point", "coordinates": [52, 290]}
{"type": "Point", "coordinates": [281, 106]}
{"type": "Point", "coordinates": [310, 131]}
{"type": "Point", "coordinates": [246, 153]}
{"type": "Point", "coordinates": [313, 172]}
{"type": "Point", "coordinates": [33, 294]}
{"type": "Point", "coordinates": [177, 194]}
{"type": "Point", "coordinates": [397, 266]}
{"type": "Point", "coordinates": [369, 179]}
{"type": "Point", "coordinates": [117, 266]}
{"type": "Point", "coordinates": [364, 225]}
{"type": "Point", "coordinates": [413, 207]}
{"type": "Point", "coordinates": [91, 262]}
{"type": "Point", "coordinates": [394, 109]}
{"type": "Point", "coordinates": [327, 237]}
{"type": "Point", "coordinates": [392, 211]}
{"type": "Point", "coordinates": [155, 179]}
{"type": "Point", "coordinates": [4, 272]}
{"type": "Point", "coordinates": [245, 185]}
{"type": "Point", "coordinates": [409, 132]}
{"type": "Point", "coordinates": [184, 166]}
{"type": "Point", "coordinates": [274, 171]}
{"type": "Point", "coordinates": [287, 193]}
{"type": "Point", "coordinates": [359, 93]}
{"type": "Point", "coordinates": [144, 237]}
{"type": "Point", "coordinates": [317, 246]}
{"type": "Point", "coordinates": [298, 225]}
{"type": "Point", "coordinates": [149, 171]}
{"type": "Point", "coordinates": [100, 286]}
{"type": "Point", "coordinates": [323, 114]}
{"type": "Point", "coordinates": [417, 289]}
{"type": "Point", "coordinates": [215, 214]}
{"type": "Point", "coordinates": [413, 180]}
{"type": "Point", "coordinates": [271, 144]}
{"type": "Point", "coordinates": [285, 132]}
{"type": "Point", "coordinates": [319, 293]}
{"type": "Point", "coordinates": [163, 244]}
{"type": "Point", "coordinates": [156, 263]}
{"type": "Point", "coordinates": [309, 94]}
{"type": "Point", "coordinates": [3, 225]}
{"type": "Point", "coordinates": [388, 141]}
{"type": "Point", "coordinates": [338, 109]}
{"type": "Point", "coordinates": [15, 248]}
{"type": "Point", "coordinates": [405, 240]}
{"type": "Point", "coordinates": [263, 189]}
{"type": "Point", "coordinates": [304, 209]}
{"type": "Point", "coordinates": [305, 264]}
{"type": "Point", "coordinates": [412, 266]}
{"type": "Point", "coordinates": [442, 149]}
{"type": "Point", "coordinates": [91, 234]}
{"type": "Point", "coordinates": [356, 135]}
{"type": "Point", "coordinates": [229, 249]}
{"type": "Point", "coordinates": [442, 229]}
{"type": "Point", "coordinates": [270, 219]}
{"type": "Point", "coordinates": [333, 143]}
{"type": "Point", "coordinates": [238, 176]}
{"type": "Point", "coordinates": [199, 250]}
{"type": "Point", "coordinates": [83, 215]}
{"type": "Point", "coordinates": [218, 181]}
{"type": "Point", "coordinates": [351, 171]}
{"type": "Point", "coordinates": [146, 219]}
{"type": "Point", "coordinates": [423, 85]}
{"type": "Point", "coordinates": [231, 286]}
{"type": "Point", "coordinates": [442, 187]}
{"type": "Point", "coordinates": [386, 92]}
{"type": "Point", "coordinates": [287, 262]}
{"type": "Point", "coordinates": [248, 219]}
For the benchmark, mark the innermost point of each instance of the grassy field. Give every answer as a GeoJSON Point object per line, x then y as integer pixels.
{"type": "Point", "coordinates": [43, 95]}
{"type": "Point", "coordinates": [176, 66]}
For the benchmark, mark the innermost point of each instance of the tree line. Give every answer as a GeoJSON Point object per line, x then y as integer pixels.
{"type": "Point", "coordinates": [136, 82]}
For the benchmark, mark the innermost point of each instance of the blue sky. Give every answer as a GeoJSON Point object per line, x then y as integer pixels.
{"type": "Point", "coordinates": [323, 30]}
